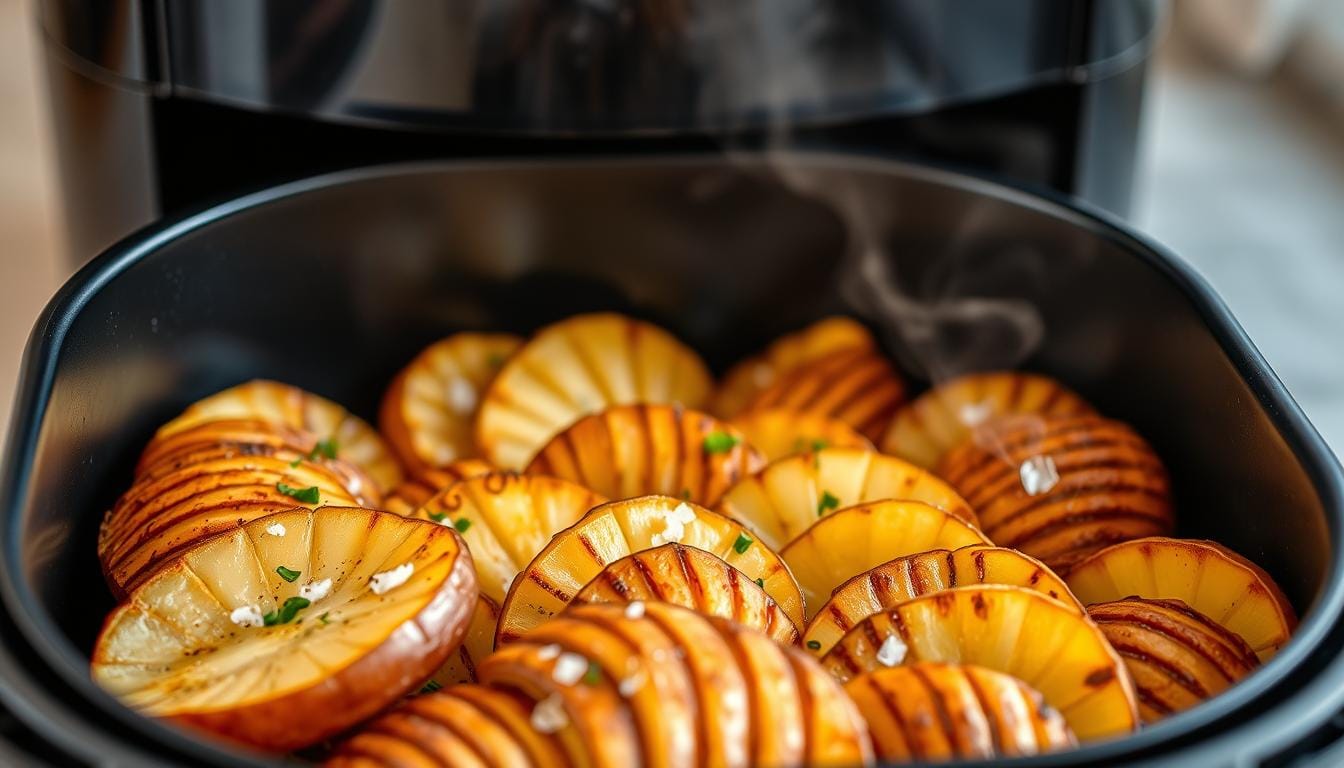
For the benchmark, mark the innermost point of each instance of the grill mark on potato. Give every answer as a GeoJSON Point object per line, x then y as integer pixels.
{"type": "Point", "coordinates": [1159, 524]}
{"type": "Point", "coordinates": [992, 714]}
{"type": "Point", "coordinates": [979, 606]}
{"type": "Point", "coordinates": [1164, 666]}
{"type": "Point", "coordinates": [1071, 479]}
{"type": "Point", "coordinates": [739, 601]}
{"type": "Point", "coordinates": [1052, 434]}
{"type": "Point", "coordinates": [591, 549]}
{"type": "Point", "coordinates": [1128, 614]}
{"type": "Point", "coordinates": [1099, 677]}
{"type": "Point", "coordinates": [688, 573]}
{"type": "Point", "coordinates": [432, 719]}
{"type": "Point", "coordinates": [839, 617]}
{"type": "Point", "coordinates": [559, 594]}
{"type": "Point", "coordinates": [617, 629]}
{"type": "Point", "coordinates": [979, 559]}
{"type": "Point", "coordinates": [940, 709]}
{"type": "Point", "coordinates": [890, 702]}
{"type": "Point", "coordinates": [617, 585]}
{"type": "Point", "coordinates": [650, 578]}
{"type": "Point", "coordinates": [1150, 699]}
{"type": "Point", "coordinates": [1073, 489]}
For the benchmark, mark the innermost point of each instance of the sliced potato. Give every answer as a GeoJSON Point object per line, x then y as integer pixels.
{"type": "Point", "coordinates": [908, 577]}
{"type": "Point", "coordinates": [928, 712]}
{"type": "Point", "coordinates": [783, 500]}
{"type": "Point", "coordinates": [428, 411]}
{"type": "Point", "coordinates": [746, 379]}
{"type": "Point", "coordinates": [612, 531]}
{"type": "Point", "coordinates": [945, 416]}
{"type": "Point", "coordinates": [223, 640]}
{"type": "Point", "coordinates": [1061, 487]}
{"type": "Point", "coordinates": [579, 366]}
{"type": "Point", "coordinates": [779, 433]}
{"type": "Point", "coordinates": [694, 579]}
{"type": "Point", "coordinates": [161, 517]}
{"type": "Point", "coordinates": [856, 386]}
{"type": "Point", "coordinates": [863, 536]}
{"type": "Point", "coordinates": [1206, 576]}
{"type": "Point", "coordinates": [407, 497]}
{"type": "Point", "coordinates": [1044, 643]}
{"type": "Point", "coordinates": [469, 725]}
{"type": "Point", "coordinates": [1177, 656]}
{"type": "Point", "coordinates": [281, 404]}
{"type": "Point", "coordinates": [638, 450]}
{"type": "Point", "coordinates": [478, 642]}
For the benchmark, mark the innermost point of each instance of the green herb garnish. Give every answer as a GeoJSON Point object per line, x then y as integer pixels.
{"type": "Point", "coordinates": [286, 612]}
{"type": "Point", "coordinates": [685, 494]}
{"type": "Point", "coordinates": [431, 686]}
{"type": "Point", "coordinates": [760, 583]}
{"type": "Point", "coordinates": [828, 501]}
{"type": "Point", "coordinates": [462, 524]}
{"type": "Point", "coordinates": [287, 574]}
{"type": "Point", "coordinates": [296, 462]}
{"type": "Point", "coordinates": [720, 442]}
{"type": "Point", "coordinates": [814, 645]}
{"type": "Point", "coordinates": [594, 674]}
{"type": "Point", "coordinates": [818, 444]}
{"type": "Point", "coordinates": [325, 448]}
{"type": "Point", "coordinates": [309, 495]}
{"type": "Point", "coordinates": [742, 544]}
{"type": "Point", "coordinates": [495, 359]}
{"type": "Point", "coordinates": [437, 516]}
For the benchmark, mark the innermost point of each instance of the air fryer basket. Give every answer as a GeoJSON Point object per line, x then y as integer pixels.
{"type": "Point", "coordinates": [335, 282]}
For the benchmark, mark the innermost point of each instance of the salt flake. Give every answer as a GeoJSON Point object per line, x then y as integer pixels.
{"type": "Point", "coordinates": [569, 669]}
{"type": "Point", "coordinates": [461, 395]}
{"type": "Point", "coordinates": [674, 525]}
{"type": "Point", "coordinates": [383, 582]}
{"type": "Point", "coordinates": [276, 529]}
{"type": "Point", "coordinates": [635, 610]}
{"type": "Point", "coordinates": [315, 590]}
{"type": "Point", "coordinates": [549, 714]}
{"type": "Point", "coordinates": [892, 652]}
{"type": "Point", "coordinates": [247, 616]}
{"type": "Point", "coordinates": [631, 685]}
{"type": "Point", "coordinates": [1038, 475]}
{"type": "Point", "coordinates": [548, 652]}
{"type": "Point", "coordinates": [974, 414]}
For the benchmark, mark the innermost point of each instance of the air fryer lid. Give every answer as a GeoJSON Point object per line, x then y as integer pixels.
{"type": "Point", "coordinates": [333, 283]}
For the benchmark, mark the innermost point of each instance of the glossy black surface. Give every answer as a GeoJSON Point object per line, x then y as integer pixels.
{"type": "Point", "coordinates": [333, 284]}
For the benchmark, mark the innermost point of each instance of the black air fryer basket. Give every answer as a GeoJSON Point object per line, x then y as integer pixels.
{"type": "Point", "coordinates": [333, 283]}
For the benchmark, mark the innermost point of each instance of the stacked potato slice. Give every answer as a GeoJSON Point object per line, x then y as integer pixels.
{"type": "Point", "coordinates": [987, 584]}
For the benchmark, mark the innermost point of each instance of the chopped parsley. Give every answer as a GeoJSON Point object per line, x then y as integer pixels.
{"type": "Point", "coordinates": [462, 524]}
{"type": "Point", "coordinates": [296, 462]}
{"type": "Point", "coordinates": [818, 444]}
{"type": "Point", "coordinates": [437, 516]}
{"type": "Point", "coordinates": [760, 583]}
{"type": "Point", "coordinates": [325, 448]}
{"type": "Point", "coordinates": [594, 674]}
{"type": "Point", "coordinates": [685, 494]}
{"type": "Point", "coordinates": [814, 645]}
{"type": "Point", "coordinates": [287, 574]}
{"type": "Point", "coordinates": [309, 495]}
{"type": "Point", "coordinates": [720, 442]}
{"type": "Point", "coordinates": [286, 613]}
{"type": "Point", "coordinates": [813, 445]}
{"type": "Point", "coordinates": [431, 686]}
{"type": "Point", "coordinates": [828, 502]}
{"type": "Point", "coordinates": [742, 544]}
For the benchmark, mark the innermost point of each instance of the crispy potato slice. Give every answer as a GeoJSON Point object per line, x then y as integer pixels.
{"type": "Point", "coordinates": [428, 411]}
{"type": "Point", "coordinates": [612, 531]}
{"type": "Point", "coordinates": [580, 366]}
{"type": "Point", "coordinates": [387, 601]}
{"type": "Point", "coordinates": [1044, 643]}
{"type": "Point", "coordinates": [407, 497]}
{"type": "Point", "coordinates": [864, 536]}
{"type": "Point", "coordinates": [1061, 487]}
{"type": "Point", "coordinates": [281, 404]}
{"type": "Point", "coordinates": [639, 450]}
{"type": "Point", "coordinates": [856, 386]}
{"type": "Point", "coordinates": [694, 579]}
{"type": "Point", "coordinates": [1205, 575]}
{"type": "Point", "coordinates": [161, 517]}
{"type": "Point", "coordinates": [778, 433]}
{"type": "Point", "coordinates": [748, 378]}
{"type": "Point", "coordinates": [478, 642]}
{"type": "Point", "coordinates": [928, 712]}
{"type": "Point", "coordinates": [945, 416]}
{"type": "Point", "coordinates": [783, 500]}
{"type": "Point", "coordinates": [469, 725]}
{"type": "Point", "coordinates": [1177, 656]}
{"type": "Point", "coordinates": [908, 577]}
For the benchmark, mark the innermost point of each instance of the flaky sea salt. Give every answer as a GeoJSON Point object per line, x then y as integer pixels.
{"type": "Point", "coordinates": [315, 590]}
{"type": "Point", "coordinates": [548, 652]}
{"type": "Point", "coordinates": [461, 395]}
{"type": "Point", "coordinates": [1038, 475]}
{"type": "Point", "coordinates": [892, 652]}
{"type": "Point", "coordinates": [276, 529]}
{"type": "Point", "coordinates": [383, 582]}
{"type": "Point", "coordinates": [549, 714]}
{"type": "Point", "coordinates": [973, 414]}
{"type": "Point", "coordinates": [635, 610]}
{"type": "Point", "coordinates": [631, 684]}
{"type": "Point", "coordinates": [674, 523]}
{"type": "Point", "coordinates": [569, 669]}
{"type": "Point", "coordinates": [247, 616]}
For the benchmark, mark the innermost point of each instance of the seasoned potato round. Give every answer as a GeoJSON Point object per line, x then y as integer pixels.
{"type": "Point", "coordinates": [778, 433]}
{"type": "Point", "coordinates": [747, 379]}
{"type": "Point", "coordinates": [858, 387]}
{"type": "Point", "coordinates": [415, 491]}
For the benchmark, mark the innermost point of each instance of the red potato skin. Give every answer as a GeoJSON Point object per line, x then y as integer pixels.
{"type": "Point", "coordinates": [366, 687]}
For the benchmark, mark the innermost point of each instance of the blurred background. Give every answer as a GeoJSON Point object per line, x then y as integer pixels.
{"type": "Point", "coordinates": [1239, 168]}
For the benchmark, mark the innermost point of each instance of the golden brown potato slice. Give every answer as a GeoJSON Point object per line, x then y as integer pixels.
{"type": "Point", "coordinates": [855, 386]}
{"type": "Point", "coordinates": [579, 366]}
{"type": "Point", "coordinates": [478, 642]}
{"type": "Point", "coordinates": [864, 536]}
{"type": "Point", "coordinates": [780, 433]}
{"type": "Point", "coordinates": [160, 517]}
{"type": "Point", "coordinates": [638, 450]}
{"type": "Point", "coordinates": [428, 411]}
{"type": "Point", "coordinates": [407, 497]}
{"type": "Point", "coordinates": [1044, 643]}
{"type": "Point", "coordinates": [1061, 487]}
{"type": "Point", "coordinates": [345, 435]}
{"type": "Point", "coordinates": [748, 378]}
{"type": "Point", "coordinates": [946, 415]}
{"type": "Point", "coordinates": [928, 712]}
{"type": "Point", "coordinates": [783, 500]}
{"type": "Point", "coordinates": [933, 571]}
{"type": "Point", "coordinates": [1206, 576]}
{"type": "Point", "coordinates": [467, 726]}
{"type": "Point", "coordinates": [615, 530]}
{"type": "Point", "coordinates": [279, 641]}
{"type": "Point", "coordinates": [1177, 656]}
{"type": "Point", "coordinates": [694, 579]}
